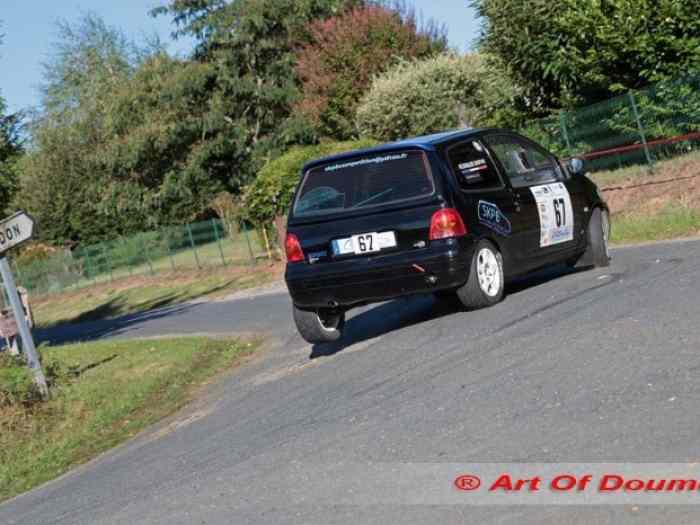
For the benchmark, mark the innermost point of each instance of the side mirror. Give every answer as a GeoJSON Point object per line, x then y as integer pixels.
{"type": "Point", "coordinates": [575, 166]}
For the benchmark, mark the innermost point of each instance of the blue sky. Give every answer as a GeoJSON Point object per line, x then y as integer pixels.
{"type": "Point", "coordinates": [29, 27]}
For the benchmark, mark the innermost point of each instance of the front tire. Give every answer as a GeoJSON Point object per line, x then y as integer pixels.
{"type": "Point", "coordinates": [597, 252]}
{"type": "Point", "coordinates": [486, 281]}
{"type": "Point", "coordinates": [322, 326]}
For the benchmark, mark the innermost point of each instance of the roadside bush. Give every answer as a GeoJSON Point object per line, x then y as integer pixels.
{"type": "Point", "coordinates": [270, 194]}
{"type": "Point", "coordinates": [15, 380]}
{"type": "Point", "coordinates": [17, 388]}
{"type": "Point", "coordinates": [443, 92]}
{"type": "Point", "coordinates": [34, 252]}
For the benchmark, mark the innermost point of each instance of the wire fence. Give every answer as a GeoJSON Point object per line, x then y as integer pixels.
{"type": "Point", "coordinates": [193, 246]}
{"type": "Point", "coordinates": [638, 127]}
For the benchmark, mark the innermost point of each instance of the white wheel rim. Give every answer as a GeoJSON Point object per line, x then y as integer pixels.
{"type": "Point", "coordinates": [605, 223]}
{"type": "Point", "coordinates": [488, 271]}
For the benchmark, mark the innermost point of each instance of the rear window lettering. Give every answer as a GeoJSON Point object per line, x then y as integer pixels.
{"type": "Point", "coordinates": [371, 180]}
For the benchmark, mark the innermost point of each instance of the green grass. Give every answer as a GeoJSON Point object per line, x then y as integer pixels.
{"type": "Point", "coordinates": [673, 221]}
{"type": "Point", "coordinates": [106, 392]}
{"type": "Point", "coordinates": [138, 294]}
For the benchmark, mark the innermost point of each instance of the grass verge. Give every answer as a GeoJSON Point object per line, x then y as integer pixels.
{"type": "Point", "coordinates": [137, 294]}
{"type": "Point", "coordinates": [653, 205]}
{"type": "Point", "coordinates": [672, 222]}
{"type": "Point", "coordinates": [103, 394]}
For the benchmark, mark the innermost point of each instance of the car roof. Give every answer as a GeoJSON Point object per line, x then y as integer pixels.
{"type": "Point", "coordinates": [424, 142]}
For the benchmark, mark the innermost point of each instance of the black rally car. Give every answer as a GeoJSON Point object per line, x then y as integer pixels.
{"type": "Point", "coordinates": [452, 213]}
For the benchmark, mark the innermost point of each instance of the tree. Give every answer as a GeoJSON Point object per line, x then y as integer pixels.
{"type": "Point", "coordinates": [128, 139]}
{"type": "Point", "coordinates": [168, 151]}
{"type": "Point", "coordinates": [251, 44]}
{"type": "Point", "coordinates": [443, 92]}
{"type": "Point", "coordinates": [572, 52]}
{"type": "Point", "coordinates": [346, 51]}
{"type": "Point", "coordinates": [10, 151]}
{"type": "Point", "coordinates": [61, 179]}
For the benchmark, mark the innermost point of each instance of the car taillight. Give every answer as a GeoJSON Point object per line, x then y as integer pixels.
{"type": "Point", "coordinates": [293, 248]}
{"type": "Point", "coordinates": [446, 223]}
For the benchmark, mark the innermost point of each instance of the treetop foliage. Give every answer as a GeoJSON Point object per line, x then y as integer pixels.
{"type": "Point", "coordinates": [575, 52]}
{"type": "Point", "coordinates": [11, 148]}
{"type": "Point", "coordinates": [446, 91]}
{"type": "Point", "coordinates": [345, 51]}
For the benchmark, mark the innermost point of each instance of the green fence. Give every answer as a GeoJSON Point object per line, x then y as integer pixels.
{"type": "Point", "coordinates": [642, 126]}
{"type": "Point", "coordinates": [199, 245]}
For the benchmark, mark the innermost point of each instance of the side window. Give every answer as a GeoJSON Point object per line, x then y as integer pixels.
{"type": "Point", "coordinates": [472, 166]}
{"type": "Point", "coordinates": [524, 164]}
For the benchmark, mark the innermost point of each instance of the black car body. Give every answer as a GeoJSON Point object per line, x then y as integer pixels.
{"type": "Point", "coordinates": [409, 217]}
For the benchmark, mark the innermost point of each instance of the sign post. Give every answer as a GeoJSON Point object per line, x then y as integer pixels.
{"type": "Point", "coordinates": [13, 231]}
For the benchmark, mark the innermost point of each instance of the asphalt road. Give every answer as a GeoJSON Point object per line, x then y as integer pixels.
{"type": "Point", "coordinates": [591, 366]}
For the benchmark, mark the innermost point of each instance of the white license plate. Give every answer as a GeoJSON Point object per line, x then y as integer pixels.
{"type": "Point", "coordinates": [364, 243]}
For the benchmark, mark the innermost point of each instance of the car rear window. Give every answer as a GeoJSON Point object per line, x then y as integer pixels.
{"type": "Point", "coordinates": [363, 182]}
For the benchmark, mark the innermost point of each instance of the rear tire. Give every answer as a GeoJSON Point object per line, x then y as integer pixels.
{"type": "Point", "coordinates": [597, 253]}
{"type": "Point", "coordinates": [321, 326]}
{"type": "Point", "coordinates": [486, 281]}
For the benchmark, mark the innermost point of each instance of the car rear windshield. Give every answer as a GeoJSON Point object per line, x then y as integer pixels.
{"type": "Point", "coordinates": [362, 182]}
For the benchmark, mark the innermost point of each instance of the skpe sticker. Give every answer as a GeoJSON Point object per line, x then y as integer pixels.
{"type": "Point", "coordinates": [491, 216]}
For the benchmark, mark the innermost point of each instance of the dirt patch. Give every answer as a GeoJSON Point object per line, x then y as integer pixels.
{"type": "Point", "coordinates": [647, 193]}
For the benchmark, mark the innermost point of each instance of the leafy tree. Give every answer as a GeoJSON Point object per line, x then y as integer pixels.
{"type": "Point", "coordinates": [61, 182]}
{"type": "Point", "coordinates": [10, 151]}
{"type": "Point", "coordinates": [167, 151]}
{"type": "Point", "coordinates": [442, 92]}
{"type": "Point", "coordinates": [251, 45]}
{"type": "Point", "coordinates": [346, 51]}
{"type": "Point", "coordinates": [574, 52]}
{"type": "Point", "coordinates": [127, 140]}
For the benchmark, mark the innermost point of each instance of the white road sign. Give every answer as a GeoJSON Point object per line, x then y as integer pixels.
{"type": "Point", "coordinates": [15, 230]}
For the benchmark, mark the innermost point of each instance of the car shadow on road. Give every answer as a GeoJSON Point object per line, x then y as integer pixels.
{"type": "Point", "coordinates": [384, 318]}
{"type": "Point", "coordinates": [408, 311]}
{"type": "Point", "coordinates": [92, 330]}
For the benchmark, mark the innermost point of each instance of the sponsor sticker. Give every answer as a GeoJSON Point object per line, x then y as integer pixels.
{"type": "Point", "coordinates": [555, 212]}
{"type": "Point", "coordinates": [492, 217]}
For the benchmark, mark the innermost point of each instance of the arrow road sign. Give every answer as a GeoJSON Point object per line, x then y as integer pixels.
{"type": "Point", "coordinates": [15, 230]}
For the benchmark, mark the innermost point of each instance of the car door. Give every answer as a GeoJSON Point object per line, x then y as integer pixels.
{"type": "Point", "coordinates": [486, 202]}
{"type": "Point", "coordinates": [540, 190]}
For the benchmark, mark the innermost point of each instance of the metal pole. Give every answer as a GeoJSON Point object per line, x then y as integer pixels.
{"type": "Point", "coordinates": [125, 243]}
{"type": "Point", "coordinates": [145, 252]}
{"type": "Point", "coordinates": [170, 251]}
{"type": "Point", "coordinates": [641, 129]}
{"type": "Point", "coordinates": [218, 241]}
{"type": "Point", "coordinates": [565, 134]}
{"type": "Point", "coordinates": [88, 264]}
{"type": "Point", "coordinates": [105, 254]}
{"type": "Point", "coordinates": [24, 333]}
{"type": "Point", "coordinates": [250, 248]}
{"type": "Point", "coordinates": [196, 256]}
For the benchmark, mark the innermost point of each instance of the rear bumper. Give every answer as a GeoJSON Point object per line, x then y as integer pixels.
{"type": "Point", "coordinates": [372, 279]}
